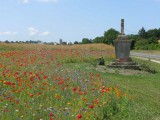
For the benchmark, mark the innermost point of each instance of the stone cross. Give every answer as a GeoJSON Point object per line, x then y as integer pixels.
{"type": "Point", "coordinates": [122, 50]}
{"type": "Point", "coordinates": [122, 26]}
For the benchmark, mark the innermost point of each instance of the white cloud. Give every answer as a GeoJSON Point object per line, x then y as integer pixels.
{"type": "Point", "coordinates": [46, 33]}
{"type": "Point", "coordinates": [8, 33]}
{"type": "Point", "coordinates": [32, 31]}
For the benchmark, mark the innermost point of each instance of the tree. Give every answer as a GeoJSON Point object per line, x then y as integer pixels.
{"type": "Point", "coordinates": [86, 41]}
{"type": "Point", "coordinates": [6, 41]}
{"type": "Point", "coordinates": [152, 40]}
{"type": "Point", "coordinates": [158, 33]}
{"type": "Point", "coordinates": [153, 33]}
{"type": "Point", "coordinates": [142, 33]}
{"type": "Point", "coordinates": [76, 42]}
{"type": "Point", "coordinates": [98, 40]}
{"type": "Point", "coordinates": [141, 44]}
{"type": "Point", "coordinates": [110, 35]}
{"type": "Point", "coordinates": [133, 38]}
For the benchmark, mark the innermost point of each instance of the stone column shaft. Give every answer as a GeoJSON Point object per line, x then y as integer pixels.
{"type": "Point", "coordinates": [122, 26]}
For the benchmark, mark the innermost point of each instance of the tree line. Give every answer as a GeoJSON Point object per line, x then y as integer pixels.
{"type": "Point", "coordinates": [144, 40]}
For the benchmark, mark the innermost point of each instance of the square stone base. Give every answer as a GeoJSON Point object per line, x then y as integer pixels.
{"type": "Point", "coordinates": [124, 63]}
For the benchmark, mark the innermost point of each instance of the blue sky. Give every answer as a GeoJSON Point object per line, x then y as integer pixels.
{"type": "Point", "coordinates": [72, 20]}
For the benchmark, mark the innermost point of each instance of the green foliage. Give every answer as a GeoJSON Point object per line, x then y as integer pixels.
{"type": "Point", "coordinates": [153, 32]}
{"type": "Point", "coordinates": [144, 40]}
{"type": "Point", "coordinates": [147, 40]}
{"type": "Point", "coordinates": [98, 40]}
{"type": "Point", "coordinates": [142, 33]}
{"type": "Point", "coordinates": [141, 44]}
{"type": "Point", "coordinates": [117, 109]}
{"type": "Point", "coordinates": [76, 42]}
{"type": "Point", "coordinates": [133, 38]}
{"type": "Point", "coordinates": [146, 44]}
{"type": "Point", "coordinates": [101, 61]}
{"type": "Point", "coordinates": [147, 65]}
{"type": "Point", "coordinates": [108, 38]}
{"type": "Point", "coordinates": [152, 40]}
{"type": "Point", "coordinates": [86, 41]}
{"type": "Point", "coordinates": [110, 35]}
{"type": "Point", "coordinates": [147, 68]}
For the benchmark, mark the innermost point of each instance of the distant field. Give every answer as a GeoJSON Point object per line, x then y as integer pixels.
{"type": "Point", "coordinates": [55, 82]}
{"type": "Point", "coordinates": [4, 46]}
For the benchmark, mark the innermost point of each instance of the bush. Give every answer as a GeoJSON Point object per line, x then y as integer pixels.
{"type": "Point", "coordinates": [147, 66]}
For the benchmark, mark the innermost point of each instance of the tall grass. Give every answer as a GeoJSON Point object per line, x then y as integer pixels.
{"type": "Point", "coordinates": [15, 46]}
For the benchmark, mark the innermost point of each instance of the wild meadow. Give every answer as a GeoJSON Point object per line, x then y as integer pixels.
{"type": "Point", "coordinates": [42, 82]}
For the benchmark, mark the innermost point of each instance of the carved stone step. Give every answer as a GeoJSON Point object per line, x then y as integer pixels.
{"type": "Point", "coordinates": [125, 66]}
{"type": "Point", "coordinates": [123, 63]}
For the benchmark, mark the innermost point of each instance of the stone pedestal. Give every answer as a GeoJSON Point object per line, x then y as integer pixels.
{"type": "Point", "coordinates": [122, 50]}
{"type": "Point", "coordinates": [125, 65]}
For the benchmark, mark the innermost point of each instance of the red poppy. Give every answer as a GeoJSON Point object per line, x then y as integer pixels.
{"type": "Point", "coordinates": [98, 75]}
{"type": "Point", "coordinates": [25, 73]}
{"type": "Point", "coordinates": [37, 74]}
{"type": "Point", "coordinates": [44, 83]}
{"type": "Point", "coordinates": [45, 77]}
{"type": "Point", "coordinates": [91, 106]}
{"type": "Point", "coordinates": [30, 73]}
{"type": "Point", "coordinates": [6, 110]}
{"type": "Point", "coordinates": [79, 116]}
{"type": "Point", "coordinates": [84, 99]}
{"type": "Point", "coordinates": [39, 93]}
{"type": "Point", "coordinates": [50, 114]}
{"type": "Point", "coordinates": [61, 82]}
{"type": "Point", "coordinates": [75, 89]}
{"type": "Point", "coordinates": [80, 92]}
{"type": "Point", "coordinates": [8, 83]}
{"type": "Point", "coordinates": [31, 95]}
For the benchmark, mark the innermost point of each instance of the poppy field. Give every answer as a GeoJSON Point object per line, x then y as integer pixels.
{"type": "Point", "coordinates": [48, 83]}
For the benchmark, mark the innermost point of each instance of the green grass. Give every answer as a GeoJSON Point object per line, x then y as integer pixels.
{"type": "Point", "coordinates": [144, 90]}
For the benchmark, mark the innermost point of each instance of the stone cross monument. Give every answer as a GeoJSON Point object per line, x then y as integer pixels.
{"type": "Point", "coordinates": [122, 50]}
{"type": "Point", "coordinates": [122, 45]}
